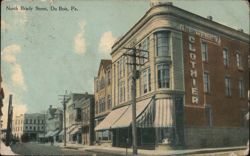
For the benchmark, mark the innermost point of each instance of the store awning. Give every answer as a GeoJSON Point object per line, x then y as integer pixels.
{"type": "Point", "coordinates": [126, 119]}
{"type": "Point", "coordinates": [111, 118]}
{"type": "Point", "coordinates": [54, 133]}
{"type": "Point", "coordinates": [40, 135]}
{"type": "Point", "coordinates": [76, 130]}
{"type": "Point", "coordinates": [164, 113]}
{"type": "Point", "coordinates": [159, 114]}
{"type": "Point", "coordinates": [48, 134]}
{"type": "Point", "coordinates": [61, 133]}
{"type": "Point", "coordinates": [70, 129]}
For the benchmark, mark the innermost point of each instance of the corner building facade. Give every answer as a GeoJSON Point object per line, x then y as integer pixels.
{"type": "Point", "coordinates": [192, 88]}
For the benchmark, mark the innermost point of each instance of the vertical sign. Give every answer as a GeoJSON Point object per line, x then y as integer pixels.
{"type": "Point", "coordinates": [193, 71]}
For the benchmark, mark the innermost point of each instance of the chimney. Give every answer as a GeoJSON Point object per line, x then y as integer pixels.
{"type": "Point", "coordinates": [210, 18]}
{"type": "Point", "coordinates": [159, 2]}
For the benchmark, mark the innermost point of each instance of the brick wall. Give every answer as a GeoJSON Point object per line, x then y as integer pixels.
{"type": "Point", "coordinates": [226, 110]}
{"type": "Point", "coordinates": [197, 137]}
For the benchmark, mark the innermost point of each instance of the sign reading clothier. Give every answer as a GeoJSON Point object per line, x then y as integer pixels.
{"type": "Point", "coordinates": [193, 71]}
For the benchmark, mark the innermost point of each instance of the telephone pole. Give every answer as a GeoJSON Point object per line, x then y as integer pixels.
{"type": "Point", "coordinates": [135, 54]}
{"type": "Point", "coordinates": [64, 100]}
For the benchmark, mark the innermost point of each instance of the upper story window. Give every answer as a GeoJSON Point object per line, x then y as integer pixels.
{"type": "Point", "coordinates": [241, 88]}
{"type": "Point", "coordinates": [163, 75]}
{"type": "Point", "coordinates": [144, 54]}
{"type": "Point", "coordinates": [96, 107]}
{"type": "Point", "coordinates": [146, 81]}
{"type": "Point", "coordinates": [102, 83]}
{"type": "Point", "coordinates": [78, 114]}
{"type": "Point", "coordinates": [238, 60]}
{"type": "Point", "coordinates": [228, 86]}
{"type": "Point", "coordinates": [121, 87]}
{"type": "Point", "coordinates": [123, 65]}
{"type": "Point", "coordinates": [206, 82]}
{"type": "Point", "coordinates": [109, 101]}
{"type": "Point", "coordinates": [129, 87]}
{"type": "Point", "coordinates": [204, 51]}
{"type": "Point", "coordinates": [162, 43]}
{"type": "Point", "coordinates": [225, 57]}
{"type": "Point", "coordinates": [102, 104]}
{"type": "Point", "coordinates": [109, 77]}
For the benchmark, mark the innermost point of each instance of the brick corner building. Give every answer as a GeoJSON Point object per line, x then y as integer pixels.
{"type": "Point", "coordinates": [192, 89]}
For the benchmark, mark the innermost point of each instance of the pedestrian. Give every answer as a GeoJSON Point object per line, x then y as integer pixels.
{"type": "Point", "coordinates": [51, 141]}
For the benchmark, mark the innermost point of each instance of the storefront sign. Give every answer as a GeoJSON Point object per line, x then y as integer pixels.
{"type": "Point", "coordinates": [202, 34]}
{"type": "Point", "coordinates": [193, 71]}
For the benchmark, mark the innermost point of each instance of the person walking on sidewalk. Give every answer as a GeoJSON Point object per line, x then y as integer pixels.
{"type": "Point", "coordinates": [51, 141]}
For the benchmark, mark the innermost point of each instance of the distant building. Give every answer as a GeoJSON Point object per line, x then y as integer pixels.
{"type": "Point", "coordinates": [54, 123]}
{"type": "Point", "coordinates": [88, 110]}
{"type": "Point", "coordinates": [192, 89]}
{"type": "Point", "coordinates": [103, 98]}
{"type": "Point", "coordinates": [29, 126]}
{"type": "Point", "coordinates": [74, 120]}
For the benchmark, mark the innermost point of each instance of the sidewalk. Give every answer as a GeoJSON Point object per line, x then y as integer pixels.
{"type": "Point", "coordinates": [141, 152]}
{"type": "Point", "coordinates": [5, 150]}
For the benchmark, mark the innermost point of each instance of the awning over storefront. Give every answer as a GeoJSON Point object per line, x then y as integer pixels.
{"type": "Point", "coordinates": [40, 135]}
{"type": "Point", "coordinates": [76, 130]}
{"type": "Point", "coordinates": [51, 133]}
{"type": "Point", "coordinates": [111, 118]}
{"type": "Point", "coordinates": [149, 113]}
{"type": "Point", "coordinates": [48, 134]}
{"type": "Point", "coordinates": [126, 119]}
{"type": "Point", "coordinates": [61, 133]}
{"type": "Point", "coordinates": [158, 114]}
{"type": "Point", "coordinates": [55, 132]}
{"type": "Point", "coordinates": [70, 129]}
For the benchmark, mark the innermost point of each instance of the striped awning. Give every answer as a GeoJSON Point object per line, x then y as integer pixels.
{"type": "Point", "coordinates": [158, 114]}
{"type": "Point", "coordinates": [76, 130]}
{"type": "Point", "coordinates": [126, 119]}
{"type": "Point", "coordinates": [70, 129]}
{"type": "Point", "coordinates": [111, 118]}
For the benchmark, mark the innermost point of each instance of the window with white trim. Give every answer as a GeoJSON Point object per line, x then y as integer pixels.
{"type": "Point", "coordinates": [163, 73]}
{"type": "Point", "coordinates": [238, 60]}
{"type": "Point", "coordinates": [162, 43]}
{"type": "Point", "coordinates": [204, 51]}
{"type": "Point", "coordinates": [241, 88]}
{"type": "Point", "coordinates": [146, 82]}
{"type": "Point", "coordinates": [228, 86]}
{"type": "Point", "coordinates": [206, 82]}
{"type": "Point", "coordinates": [225, 57]}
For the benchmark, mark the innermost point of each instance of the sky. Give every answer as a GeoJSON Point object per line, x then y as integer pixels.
{"type": "Point", "coordinates": [44, 53]}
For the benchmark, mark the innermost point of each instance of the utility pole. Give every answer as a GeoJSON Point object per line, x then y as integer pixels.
{"type": "Point", "coordinates": [135, 54]}
{"type": "Point", "coordinates": [9, 124]}
{"type": "Point", "coordinates": [64, 100]}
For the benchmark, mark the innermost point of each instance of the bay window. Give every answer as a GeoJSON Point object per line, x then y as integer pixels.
{"type": "Point", "coordinates": [163, 76]}
{"type": "Point", "coordinates": [162, 43]}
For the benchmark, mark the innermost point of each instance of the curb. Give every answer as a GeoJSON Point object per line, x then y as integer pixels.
{"type": "Point", "coordinates": [177, 153]}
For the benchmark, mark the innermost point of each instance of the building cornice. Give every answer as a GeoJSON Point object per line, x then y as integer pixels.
{"type": "Point", "coordinates": [172, 11]}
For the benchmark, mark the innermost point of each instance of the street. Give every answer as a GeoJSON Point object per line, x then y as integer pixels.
{"type": "Point", "coordinates": [46, 149]}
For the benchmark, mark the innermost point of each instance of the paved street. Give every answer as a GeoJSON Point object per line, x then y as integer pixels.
{"type": "Point", "coordinates": [45, 149]}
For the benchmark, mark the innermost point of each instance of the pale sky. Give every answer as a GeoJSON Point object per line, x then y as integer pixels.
{"type": "Point", "coordinates": [44, 53]}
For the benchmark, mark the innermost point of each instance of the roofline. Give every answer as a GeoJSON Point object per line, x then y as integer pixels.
{"type": "Point", "coordinates": [171, 13]}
